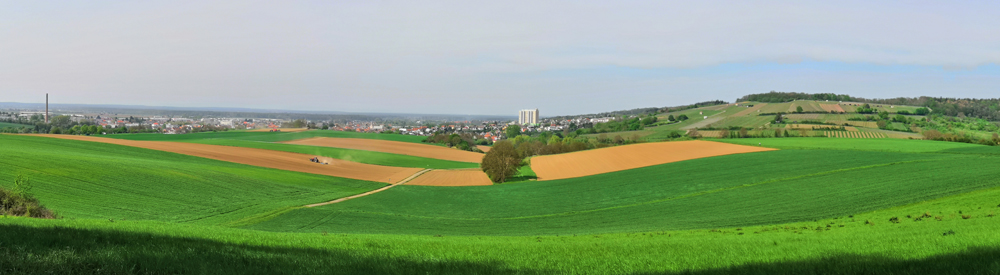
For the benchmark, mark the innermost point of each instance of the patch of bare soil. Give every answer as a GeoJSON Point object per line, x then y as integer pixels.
{"type": "Point", "coordinates": [618, 158]}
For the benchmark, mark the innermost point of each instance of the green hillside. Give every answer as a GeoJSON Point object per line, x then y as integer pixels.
{"type": "Point", "coordinates": [842, 245]}
{"type": "Point", "coordinates": [93, 180]}
{"type": "Point", "coordinates": [892, 206]}
{"type": "Point", "coordinates": [741, 190]}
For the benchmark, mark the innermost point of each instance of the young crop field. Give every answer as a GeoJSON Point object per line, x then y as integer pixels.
{"type": "Point", "coordinates": [13, 125]}
{"type": "Point", "coordinates": [853, 134]}
{"type": "Point", "coordinates": [360, 156]}
{"type": "Point", "coordinates": [864, 241]}
{"type": "Point", "coordinates": [393, 147]}
{"type": "Point", "coordinates": [784, 186]}
{"type": "Point", "coordinates": [81, 179]}
{"type": "Point", "coordinates": [878, 205]}
{"type": "Point", "coordinates": [884, 145]}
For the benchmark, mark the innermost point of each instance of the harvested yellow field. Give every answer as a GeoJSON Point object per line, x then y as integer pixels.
{"type": "Point", "coordinates": [393, 147]}
{"type": "Point", "coordinates": [605, 160]}
{"type": "Point", "coordinates": [465, 177]}
{"type": "Point", "coordinates": [266, 158]}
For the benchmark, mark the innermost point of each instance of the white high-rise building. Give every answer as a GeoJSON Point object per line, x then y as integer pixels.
{"type": "Point", "coordinates": [527, 117]}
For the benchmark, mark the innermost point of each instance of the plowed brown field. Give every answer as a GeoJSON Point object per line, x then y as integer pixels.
{"type": "Point", "coordinates": [831, 107]}
{"type": "Point", "coordinates": [599, 161]}
{"type": "Point", "coordinates": [290, 130]}
{"type": "Point", "coordinates": [467, 177]}
{"type": "Point", "coordinates": [394, 147]}
{"type": "Point", "coordinates": [266, 158]}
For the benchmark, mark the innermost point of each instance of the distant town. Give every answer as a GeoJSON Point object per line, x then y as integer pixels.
{"type": "Point", "coordinates": [529, 121]}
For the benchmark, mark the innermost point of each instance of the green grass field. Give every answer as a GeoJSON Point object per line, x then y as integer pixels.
{"type": "Point", "coordinates": [743, 190]}
{"type": "Point", "coordinates": [13, 125]}
{"type": "Point", "coordinates": [362, 156]}
{"type": "Point", "coordinates": [820, 205]}
{"type": "Point", "coordinates": [93, 180]}
{"type": "Point", "coordinates": [843, 245]}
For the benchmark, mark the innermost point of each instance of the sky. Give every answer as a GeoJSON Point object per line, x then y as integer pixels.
{"type": "Point", "coordinates": [490, 57]}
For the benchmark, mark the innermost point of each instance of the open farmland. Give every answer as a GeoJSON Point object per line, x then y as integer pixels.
{"type": "Point", "coordinates": [290, 130]}
{"type": "Point", "coordinates": [266, 158]}
{"type": "Point", "coordinates": [853, 134]}
{"type": "Point", "coordinates": [360, 156]}
{"type": "Point", "coordinates": [599, 161]}
{"type": "Point", "coordinates": [269, 136]}
{"type": "Point", "coordinates": [104, 181]}
{"type": "Point", "coordinates": [785, 186]}
{"type": "Point", "coordinates": [795, 209]}
{"type": "Point", "coordinates": [393, 147]}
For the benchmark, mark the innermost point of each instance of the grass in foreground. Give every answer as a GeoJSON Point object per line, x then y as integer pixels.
{"type": "Point", "coordinates": [727, 191]}
{"type": "Point", "coordinates": [864, 243]}
{"type": "Point", "coordinates": [80, 179]}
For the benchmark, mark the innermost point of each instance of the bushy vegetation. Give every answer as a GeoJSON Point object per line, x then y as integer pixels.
{"type": "Point", "coordinates": [502, 161]}
{"type": "Point", "coordinates": [779, 97]}
{"type": "Point", "coordinates": [692, 106]}
{"type": "Point", "coordinates": [464, 141]}
{"type": "Point", "coordinates": [19, 201]}
{"type": "Point", "coordinates": [621, 124]}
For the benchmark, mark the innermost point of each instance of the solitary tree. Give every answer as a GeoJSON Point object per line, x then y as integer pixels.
{"type": "Point", "coordinates": [778, 118]}
{"type": "Point", "coordinates": [501, 162]}
{"type": "Point", "coordinates": [798, 109]}
{"type": "Point", "coordinates": [671, 118]}
{"type": "Point", "coordinates": [682, 117]}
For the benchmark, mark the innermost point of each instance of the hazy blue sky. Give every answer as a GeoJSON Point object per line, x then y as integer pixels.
{"type": "Point", "coordinates": [490, 57]}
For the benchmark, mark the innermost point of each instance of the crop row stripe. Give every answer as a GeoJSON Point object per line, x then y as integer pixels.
{"type": "Point", "coordinates": [656, 201]}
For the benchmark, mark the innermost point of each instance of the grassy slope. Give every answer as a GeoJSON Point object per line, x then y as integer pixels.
{"type": "Point", "coordinates": [886, 145]}
{"type": "Point", "coordinates": [847, 246]}
{"type": "Point", "coordinates": [94, 180]}
{"type": "Point", "coordinates": [737, 190]}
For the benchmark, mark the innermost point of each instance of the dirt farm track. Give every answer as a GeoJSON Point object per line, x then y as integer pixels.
{"type": "Point", "coordinates": [611, 159]}
{"type": "Point", "coordinates": [393, 147]}
{"type": "Point", "coordinates": [266, 158]}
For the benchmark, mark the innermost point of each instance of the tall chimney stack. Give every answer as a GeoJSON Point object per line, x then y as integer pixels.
{"type": "Point", "coordinates": [46, 107]}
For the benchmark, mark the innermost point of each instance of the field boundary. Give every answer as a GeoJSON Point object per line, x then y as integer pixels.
{"type": "Point", "coordinates": [421, 172]}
